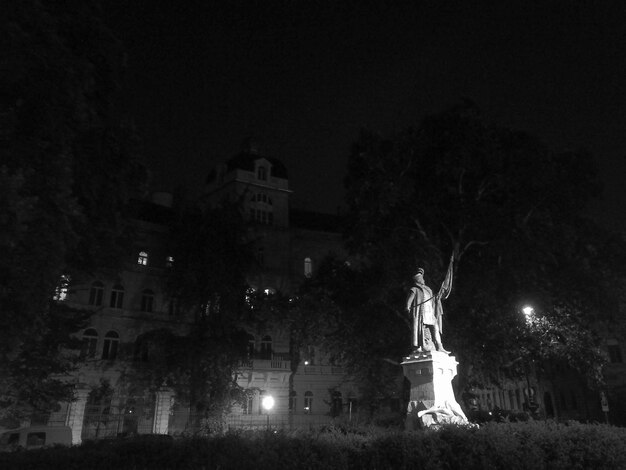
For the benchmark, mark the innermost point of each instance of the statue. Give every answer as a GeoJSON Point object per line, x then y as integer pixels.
{"type": "Point", "coordinates": [426, 310]}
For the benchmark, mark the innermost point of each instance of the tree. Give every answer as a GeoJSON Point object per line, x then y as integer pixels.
{"type": "Point", "coordinates": [207, 280]}
{"type": "Point", "coordinates": [509, 210]}
{"type": "Point", "coordinates": [67, 167]}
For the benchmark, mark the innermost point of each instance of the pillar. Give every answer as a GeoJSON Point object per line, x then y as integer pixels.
{"type": "Point", "coordinates": [162, 409]}
{"type": "Point", "coordinates": [76, 413]}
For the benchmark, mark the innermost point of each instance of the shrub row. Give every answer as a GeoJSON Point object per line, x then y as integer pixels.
{"type": "Point", "coordinates": [510, 446]}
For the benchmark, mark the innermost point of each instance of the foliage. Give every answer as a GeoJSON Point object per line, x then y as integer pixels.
{"type": "Point", "coordinates": [510, 212]}
{"type": "Point", "coordinates": [67, 167]}
{"type": "Point", "coordinates": [208, 281]}
{"type": "Point", "coordinates": [518, 446]}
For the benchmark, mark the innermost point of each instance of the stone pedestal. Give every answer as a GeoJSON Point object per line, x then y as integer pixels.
{"type": "Point", "coordinates": [430, 374]}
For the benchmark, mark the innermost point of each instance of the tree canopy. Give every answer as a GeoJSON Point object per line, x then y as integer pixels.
{"type": "Point", "coordinates": [67, 167]}
{"type": "Point", "coordinates": [510, 211]}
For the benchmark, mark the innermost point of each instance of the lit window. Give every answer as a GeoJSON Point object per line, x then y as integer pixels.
{"type": "Point", "coordinates": [117, 296]}
{"type": "Point", "coordinates": [111, 343]}
{"type": "Point", "coordinates": [266, 347]}
{"type": "Point", "coordinates": [308, 402]}
{"type": "Point", "coordinates": [261, 173]}
{"type": "Point", "coordinates": [308, 267]}
{"type": "Point", "coordinates": [90, 342]}
{"type": "Point", "coordinates": [60, 293]}
{"type": "Point", "coordinates": [96, 293]}
{"type": "Point", "coordinates": [147, 301]}
{"type": "Point", "coordinates": [142, 258]}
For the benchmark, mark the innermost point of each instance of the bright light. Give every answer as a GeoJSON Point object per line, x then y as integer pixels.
{"type": "Point", "coordinates": [528, 311]}
{"type": "Point", "coordinates": [268, 402]}
{"type": "Point", "coordinates": [306, 363]}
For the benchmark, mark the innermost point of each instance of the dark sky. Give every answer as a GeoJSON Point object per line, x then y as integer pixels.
{"type": "Point", "coordinates": [302, 77]}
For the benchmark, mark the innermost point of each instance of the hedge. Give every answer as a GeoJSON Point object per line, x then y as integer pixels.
{"type": "Point", "coordinates": [511, 446]}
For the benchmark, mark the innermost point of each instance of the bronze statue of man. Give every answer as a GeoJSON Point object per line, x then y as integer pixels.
{"type": "Point", "coordinates": [426, 310]}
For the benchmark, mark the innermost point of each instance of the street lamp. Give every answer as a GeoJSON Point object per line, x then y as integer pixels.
{"type": "Point", "coordinates": [268, 403]}
{"type": "Point", "coordinates": [528, 312]}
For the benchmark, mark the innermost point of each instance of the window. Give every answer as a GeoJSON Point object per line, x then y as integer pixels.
{"type": "Point", "coordinates": [308, 402]}
{"type": "Point", "coordinates": [111, 343]}
{"type": "Point", "coordinates": [248, 404]}
{"type": "Point", "coordinates": [261, 209]}
{"type": "Point", "coordinates": [147, 300]}
{"type": "Point", "coordinates": [169, 261]}
{"type": "Point", "coordinates": [266, 347]}
{"type": "Point", "coordinates": [261, 173]}
{"type": "Point", "coordinates": [250, 347]}
{"type": "Point", "coordinates": [336, 404]}
{"type": "Point", "coordinates": [262, 394]}
{"type": "Point", "coordinates": [90, 342]}
{"type": "Point", "coordinates": [117, 296]}
{"type": "Point", "coordinates": [293, 404]}
{"type": "Point", "coordinates": [96, 293]}
{"type": "Point", "coordinates": [615, 353]}
{"type": "Point", "coordinates": [308, 267]}
{"type": "Point", "coordinates": [260, 256]}
{"type": "Point", "coordinates": [173, 307]}
{"type": "Point", "coordinates": [142, 258]}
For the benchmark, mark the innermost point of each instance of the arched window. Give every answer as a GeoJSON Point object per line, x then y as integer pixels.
{"type": "Point", "coordinates": [308, 402]}
{"type": "Point", "coordinates": [147, 300]}
{"type": "Point", "coordinates": [111, 343]}
{"type": "Point", "coordinates": [266, 347]}
{"type": "Point", "coordinates": [248, 403]}
{"type": "Point", "coordinates": [308, 267]}
{"type": "Point", "coordinates": [117, 296]}
{"type": "Point", "coordinates": [293, 402]}
{"type": "Point", "coordinates": [96, 293]}
{"type": "Point", "coordinates": [142, 258]}
{"type": "Point", "coordinates": [90, 342]}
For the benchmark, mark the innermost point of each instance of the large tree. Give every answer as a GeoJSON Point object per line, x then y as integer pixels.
{"type": "Point", "coordinates": [67, 167]}
{"type": "Point", "coordinates": [510, 211]}
{"type": "Point", "coordinates": [207, 282]}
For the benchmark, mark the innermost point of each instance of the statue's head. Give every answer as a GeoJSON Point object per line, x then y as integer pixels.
{"type": "Point", "coordinates": [419, 277]}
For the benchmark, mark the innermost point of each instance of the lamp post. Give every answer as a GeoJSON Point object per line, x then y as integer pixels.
{"type": "Point", "coordinates": [528, 312]}
{"type": "Point", "coordinates": [268, 403]}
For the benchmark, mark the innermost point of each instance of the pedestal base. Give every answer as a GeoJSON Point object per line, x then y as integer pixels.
{"type": "Point", "coordinates": [432, 399]}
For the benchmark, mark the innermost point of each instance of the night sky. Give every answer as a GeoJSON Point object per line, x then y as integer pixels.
{"type": "Point", "coordinates": [302, 77]}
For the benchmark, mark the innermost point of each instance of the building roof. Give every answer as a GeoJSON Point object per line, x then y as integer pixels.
{"type": "Point", "coordinates": [245, 161]}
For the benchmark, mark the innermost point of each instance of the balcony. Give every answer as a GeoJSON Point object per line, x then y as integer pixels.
{"type": "Point", "coordinates": [277, 362]}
